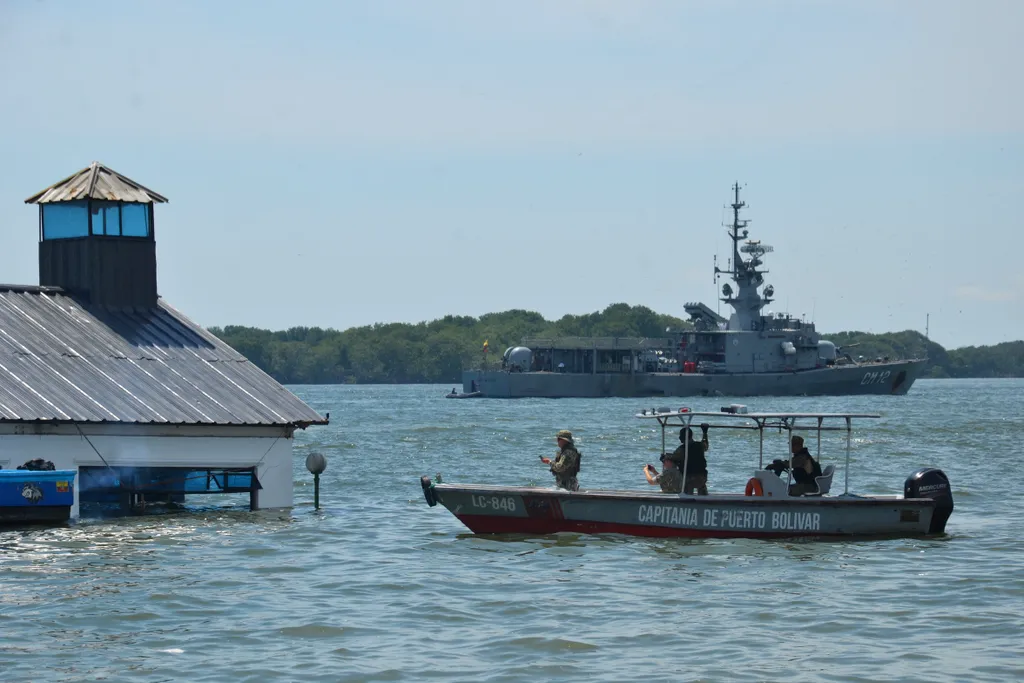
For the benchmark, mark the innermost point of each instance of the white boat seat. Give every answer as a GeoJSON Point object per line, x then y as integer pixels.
{"type": "Point", "coordinates": [771, 484]}
{"type": "Point", "coordinates": [824, 482]}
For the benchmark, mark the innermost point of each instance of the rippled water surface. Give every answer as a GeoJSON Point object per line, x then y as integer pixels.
{"type": "Point", "coordinates": [378, 586]}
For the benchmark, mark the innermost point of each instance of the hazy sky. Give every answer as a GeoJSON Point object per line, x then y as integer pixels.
{"type": "Point", "coordinates": [344, 163]}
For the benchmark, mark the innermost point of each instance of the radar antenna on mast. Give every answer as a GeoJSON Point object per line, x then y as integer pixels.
{"type": "Point", "coordinates": [746, 270]}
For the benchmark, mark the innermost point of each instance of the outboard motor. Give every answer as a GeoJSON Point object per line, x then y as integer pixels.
{"type": "Point", "coordinates": [929, 482]}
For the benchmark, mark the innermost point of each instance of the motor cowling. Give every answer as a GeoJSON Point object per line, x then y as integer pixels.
{"type": "Point", "coordinates": [929, 482]}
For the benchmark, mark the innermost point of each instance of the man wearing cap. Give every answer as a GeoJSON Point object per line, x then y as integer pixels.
{"type": "Point", "coordinates": [670, 479]}
{"type": "Point", "coordinates": [695, 477]}
{"type": "Point", "coordinates": [566, 464]}
{"type": "Point", "coordinates": [804, 468]}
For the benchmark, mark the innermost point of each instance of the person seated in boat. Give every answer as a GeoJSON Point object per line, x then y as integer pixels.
{"type": "Point", "coordinates": [566, 465]}
{"type": "Point", "coordinates": [804, 468]}
{"type": "Point", "coordinates": [695, 477]}
{"type": "Point", "coordinates": [670, 479]}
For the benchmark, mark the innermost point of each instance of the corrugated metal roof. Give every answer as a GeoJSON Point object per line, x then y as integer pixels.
{"type": "Point", "coordinates": [61, 361]}
{"type": "Point", "coordinates": [96, 181]}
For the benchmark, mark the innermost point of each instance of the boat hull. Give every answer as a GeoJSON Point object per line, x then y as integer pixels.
{"type": "Point", "coordinates": [475, 394]}
{"type": "Point", "coordinates": [527, 510]}
{"type": "Point", "coordinates": [894, 378]}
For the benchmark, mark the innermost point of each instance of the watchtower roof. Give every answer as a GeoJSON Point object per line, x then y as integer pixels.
{"type": "Point", "coordinates": [96, 181]}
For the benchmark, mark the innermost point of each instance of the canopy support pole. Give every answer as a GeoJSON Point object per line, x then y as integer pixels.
{"type": "Point", "coordinates": [686, 451]}
{"type": "Point", "coordinates": [846, 474]}
{"type": "Point", "coordinates": [760, 453]}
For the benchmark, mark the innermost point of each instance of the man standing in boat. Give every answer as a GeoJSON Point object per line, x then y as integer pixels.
{"type": "Point", "coordinates": [694, 465]}
{"type": "Point", "coordinates": [804, 467]}
{"type": "Point", "coordinates": [566, 464]}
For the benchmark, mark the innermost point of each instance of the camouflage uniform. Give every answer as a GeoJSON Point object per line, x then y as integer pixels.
{"type": "Point", "coordinates": [566, 464]}
{"type": "Point", "coordinates": [697, 484]}
{"type": "Point", "coordinates": [671, 480]}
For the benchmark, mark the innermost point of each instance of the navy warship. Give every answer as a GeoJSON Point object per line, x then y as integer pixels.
{"type": "Point", "coordinates": [752, 353]}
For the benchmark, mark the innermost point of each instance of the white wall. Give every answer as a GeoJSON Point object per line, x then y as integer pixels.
{"type": "Point", "coordinates": [145, 446]}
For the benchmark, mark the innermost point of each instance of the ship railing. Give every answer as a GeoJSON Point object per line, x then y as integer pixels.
{"type": "Point", "coordinates": [598, 343]}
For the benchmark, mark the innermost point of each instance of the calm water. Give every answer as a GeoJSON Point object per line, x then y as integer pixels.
{"type": "Point", "coordinates": [377, 586]}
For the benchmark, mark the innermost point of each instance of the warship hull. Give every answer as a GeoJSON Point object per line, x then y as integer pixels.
{"type": "Point", "coordinates": [892, 378]}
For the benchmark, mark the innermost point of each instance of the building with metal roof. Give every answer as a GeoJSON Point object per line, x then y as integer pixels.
{"type": "Point", "coordinates": [100, 374]}
{"type": "Point", "coordinates": [61, 361]}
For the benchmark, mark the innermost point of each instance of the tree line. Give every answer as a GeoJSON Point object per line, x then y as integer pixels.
{"type": "Point", "coordinates": [435, 352]}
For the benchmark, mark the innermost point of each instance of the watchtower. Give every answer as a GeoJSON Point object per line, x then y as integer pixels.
{"type": "Point", "coordinates": [97, 239]}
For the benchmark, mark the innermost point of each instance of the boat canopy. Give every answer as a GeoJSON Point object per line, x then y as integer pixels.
{"type": "Point", "coordinates": [736, 417]}
{"type": "Point", "coordinates": [684, 418]}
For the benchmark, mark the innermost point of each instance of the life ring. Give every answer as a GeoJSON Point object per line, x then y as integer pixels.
{"type": "Point", "coordinates": [754, 487]}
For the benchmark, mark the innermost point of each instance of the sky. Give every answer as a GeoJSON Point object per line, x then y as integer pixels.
{"type": "Point", "coordinates": [337, 164]}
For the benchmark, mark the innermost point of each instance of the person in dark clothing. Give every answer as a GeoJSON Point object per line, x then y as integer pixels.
{"type": "Point", "coordinates": [694, 467]}
{"type": "Point", "coordinates": [804, 468]}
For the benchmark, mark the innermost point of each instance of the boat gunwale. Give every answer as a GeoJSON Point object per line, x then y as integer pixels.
{"type": "Point", "coordinates": [713, 498]}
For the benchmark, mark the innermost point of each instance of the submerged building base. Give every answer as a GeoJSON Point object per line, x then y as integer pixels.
{"type": "Point", "coordinates": [135, 466]}
{"type": "Point", "coordinates": [136, 489]}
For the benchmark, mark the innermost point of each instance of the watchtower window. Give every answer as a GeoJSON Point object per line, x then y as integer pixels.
{"type": "Point", "coordinates": [63, 220]}
{"type": "Point", "coordinates": [106, 218]}
{"type": "Point", "coordinates": [119, 219]}
{"type": "Point", "coordinates": [135, 220]}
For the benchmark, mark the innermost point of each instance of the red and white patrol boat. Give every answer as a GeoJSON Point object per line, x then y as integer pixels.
{"type": "Point", "coordinates": [764, 509]}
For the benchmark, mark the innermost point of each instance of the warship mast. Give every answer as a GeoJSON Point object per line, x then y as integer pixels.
{"type": "Point", "coordinates": [747, 301]}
